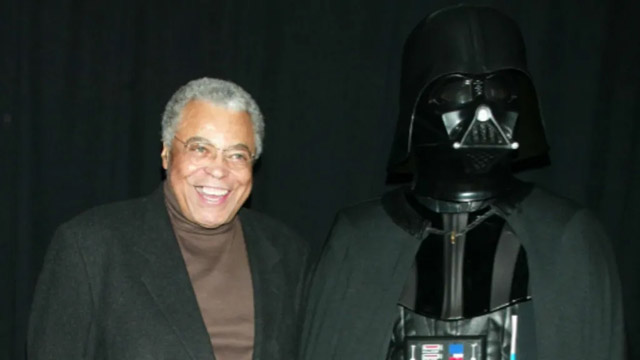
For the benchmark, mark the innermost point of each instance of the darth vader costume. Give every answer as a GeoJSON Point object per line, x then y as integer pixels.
{"type": "Point", "coordinates": [467, 262]}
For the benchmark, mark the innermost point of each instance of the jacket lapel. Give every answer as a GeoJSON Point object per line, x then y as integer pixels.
{"type": "Point", "coordinates": [165, 276]}
{"type": "Point", "coordinates": [266, 279]}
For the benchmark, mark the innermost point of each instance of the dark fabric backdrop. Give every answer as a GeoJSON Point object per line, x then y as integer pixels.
{"type": "Point", "coordinates": [83, 84]}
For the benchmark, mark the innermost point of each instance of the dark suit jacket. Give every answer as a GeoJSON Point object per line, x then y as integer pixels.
{"type": "Point", "coordinates": [114, 286]}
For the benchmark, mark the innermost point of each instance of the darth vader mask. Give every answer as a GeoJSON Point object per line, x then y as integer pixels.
{"type": "Point", "coordinates": [469, 118]}
{"type": "Point", "coordinates": [465, 86]}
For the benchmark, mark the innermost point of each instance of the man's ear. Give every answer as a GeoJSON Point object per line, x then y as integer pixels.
{"type": "Point", "coordinates": [165, 156]}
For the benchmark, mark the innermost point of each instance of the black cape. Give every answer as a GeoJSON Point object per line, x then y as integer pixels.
{"type": "Point", "coordinates": [352, 299]}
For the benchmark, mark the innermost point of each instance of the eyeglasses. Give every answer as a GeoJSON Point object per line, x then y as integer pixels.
{"type": "Point", "coordinates": [199, 152]}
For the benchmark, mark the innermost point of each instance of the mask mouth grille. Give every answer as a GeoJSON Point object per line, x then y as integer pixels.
{"type": "Point", "coordinates": [485, 132]}
{"type": "Point", "coordinates": [479, 161]}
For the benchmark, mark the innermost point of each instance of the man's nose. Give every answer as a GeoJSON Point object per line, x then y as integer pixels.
{"type": "Point", "coordinates": [217, 166]}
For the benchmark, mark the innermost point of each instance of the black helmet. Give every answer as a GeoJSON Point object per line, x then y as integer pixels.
{"type": "Point", "coordinates": [468, 40]}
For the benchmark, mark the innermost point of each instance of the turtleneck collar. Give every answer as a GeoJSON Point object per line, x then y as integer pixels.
{"type": "Point", "coordinates": [185, 226]}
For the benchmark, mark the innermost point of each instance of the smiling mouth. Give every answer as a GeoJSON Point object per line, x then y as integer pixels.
{"type": "Point", "coordinates": [212, 194]}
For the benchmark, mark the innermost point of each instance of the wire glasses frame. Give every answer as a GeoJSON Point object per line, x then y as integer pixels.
{"type": "Point", "coordinates": [199, 152]}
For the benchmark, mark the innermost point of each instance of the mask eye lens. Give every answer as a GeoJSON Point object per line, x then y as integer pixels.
{"type": "Point", "coordinates": [453, 92]}
{"type": "Point", "coordinates": [497, 93]}
{"type": "Point", "coordinates": [499, 88]}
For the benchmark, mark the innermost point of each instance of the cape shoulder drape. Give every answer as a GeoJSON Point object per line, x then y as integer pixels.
{"type": "Point", "coordinates": [351, 301]}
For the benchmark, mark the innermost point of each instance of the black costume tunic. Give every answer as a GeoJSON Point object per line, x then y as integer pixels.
{"type": "Point", "coordinates": [352, 301]}
{"type": "Point", "coordinates": [464, 294]}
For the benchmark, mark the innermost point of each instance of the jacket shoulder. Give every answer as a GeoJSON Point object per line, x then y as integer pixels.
{"type": "Point", "coordinates": [278, 231]}
{"type": "Point", "coordinates": [101, 227]}
{"type": "Point", "coordinates": [111, 215]}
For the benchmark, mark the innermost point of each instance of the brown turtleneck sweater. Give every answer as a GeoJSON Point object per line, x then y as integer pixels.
{"type": "Point", "coordinates": [218, 266]}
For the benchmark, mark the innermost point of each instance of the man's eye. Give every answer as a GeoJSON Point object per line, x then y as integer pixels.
{"type": "Point", "coordinates": [198, 148]}
{"type": "Point", "coordinates": [238, 156]}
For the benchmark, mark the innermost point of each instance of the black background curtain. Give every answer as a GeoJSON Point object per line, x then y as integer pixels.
{"type": "Point", "coordinates": [83, 85]}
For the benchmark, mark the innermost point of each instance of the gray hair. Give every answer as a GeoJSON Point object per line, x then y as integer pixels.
{"type": "Point", "coordinates": [218, 92]}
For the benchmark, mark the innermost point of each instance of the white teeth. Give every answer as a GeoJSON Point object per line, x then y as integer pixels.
{"type": "Point", "coordinates": [213, 191]}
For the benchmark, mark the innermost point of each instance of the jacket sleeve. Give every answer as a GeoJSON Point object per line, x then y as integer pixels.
{"type": "Point", "coordinates": [61, 323]}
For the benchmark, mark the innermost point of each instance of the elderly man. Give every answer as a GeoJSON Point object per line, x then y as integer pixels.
{"type": "Point", "coordinates": [184, 273]}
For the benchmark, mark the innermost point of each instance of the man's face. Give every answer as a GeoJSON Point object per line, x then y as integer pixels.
{"type": "Point", "coordinates": [209, 192]}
